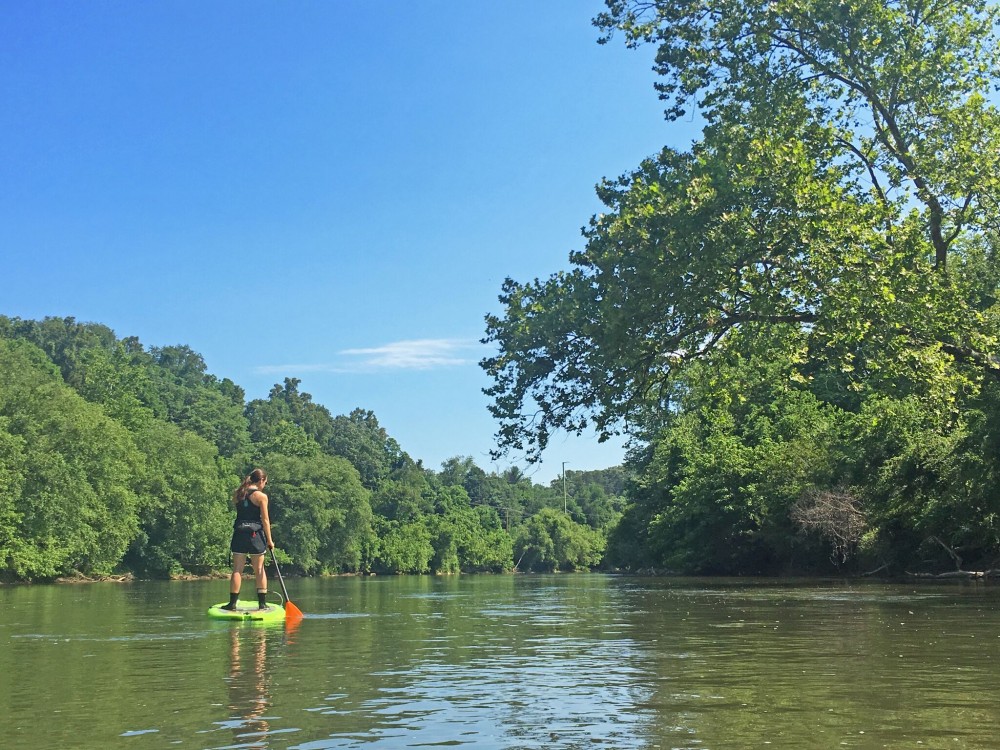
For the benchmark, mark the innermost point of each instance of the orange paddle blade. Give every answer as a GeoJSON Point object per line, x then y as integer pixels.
{"type": "Point", "coordinates": [292, 612]}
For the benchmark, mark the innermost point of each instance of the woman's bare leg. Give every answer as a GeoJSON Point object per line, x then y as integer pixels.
{"type": "Point", "coordinates": [236, 579]}
{"type": "Point", "coordinates": [260, 576]}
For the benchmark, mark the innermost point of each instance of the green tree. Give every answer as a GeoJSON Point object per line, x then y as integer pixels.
{"type": "Point", "coordinates": [112, 379]}
{"type": "Point", "coordinates": [360, 439]}
{"type": "Point", "coordinates": [845, 180]}
{"type": "Point", "coordinates": [462, 471]}
{"type": "Point", "coordinates": [402, 547]}
{"type": "Point", "coordinates": [487, 547]}
{"type": "Point", "coordinates": [63, 340]}
{"type": "Point", "coordinates": [72, 467]}
{"type": "Point", "coordinates": [466, 538]}
{"type": "Point", "coordinates": [550, 540]}
{"type": "Point", "coordinates": [286, 438]}
{"type": "Point", "coordinates": [197, 401]}
{"type": "Point", "coordinates": [406, 496]}
{"type": "Point", "coordinates": [899, 92]}
{"type": "Point", "coordinates": [505, 492]}
{"type": "Point", "coordinates": [599, 509]}
{"type": "Point", "coordinates": [185, 518]}
{"type": "Point", "coordinates": [321, 513]}
{"type": "Point", "coordinates": [930, 488]}
{"type": "Point", "coordinates": [286, 404]}
{"type": "Point", "coordinates": [17, 549]}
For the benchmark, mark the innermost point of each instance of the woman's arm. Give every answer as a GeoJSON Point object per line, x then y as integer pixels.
{"type": "Point", "coordinates": [265, 519]}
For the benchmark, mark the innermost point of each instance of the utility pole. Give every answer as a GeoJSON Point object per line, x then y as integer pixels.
{"type": "Point", "coordinates": [564, 486]}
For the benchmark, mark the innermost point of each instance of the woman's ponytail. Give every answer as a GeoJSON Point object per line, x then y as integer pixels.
{"type": "Point", "coordinates": [255, 477]}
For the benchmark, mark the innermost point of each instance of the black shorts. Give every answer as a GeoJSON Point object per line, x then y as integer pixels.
{"type": "Point", "coordinates": [248, 542]}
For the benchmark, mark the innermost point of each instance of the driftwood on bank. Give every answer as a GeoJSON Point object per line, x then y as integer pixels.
{"type": "Point", "coordinates": [962, 574]}
{"type": "Point", "coordinates": [958, 572]}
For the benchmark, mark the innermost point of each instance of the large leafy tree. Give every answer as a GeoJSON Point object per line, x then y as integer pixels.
{"type": "Point", "coordinates": [68, 469]}
{"type": "Point", "coordinates": [550, 541]}
{"type": "Point", "coordinates": [285, 403]}
{"type": "Point", "coordinates": [360, 439]}
{"type": "Point", "coordinates": [840, 211]}
{"type": "Point", "coordinates": [197, 401]}
{"type": "Point", "coordinates": [321, 513]}
{"type": "Point", "coordinates": [185, 520]}
{"type": "Point", "coordinates": [899, 90]}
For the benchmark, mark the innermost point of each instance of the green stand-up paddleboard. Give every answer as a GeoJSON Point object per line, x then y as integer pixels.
{"type": "Point", "coordinates": [248, 611]}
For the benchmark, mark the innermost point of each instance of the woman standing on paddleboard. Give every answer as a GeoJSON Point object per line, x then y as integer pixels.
{"type": "Point", "coordinates": [251, 536]}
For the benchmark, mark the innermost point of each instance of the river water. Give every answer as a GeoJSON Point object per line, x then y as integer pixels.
{"type": "Point", "coordinates": [566, 661]}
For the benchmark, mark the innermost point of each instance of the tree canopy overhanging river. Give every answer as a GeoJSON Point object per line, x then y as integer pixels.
{"type": "Point", "coordinates": [565, 661]}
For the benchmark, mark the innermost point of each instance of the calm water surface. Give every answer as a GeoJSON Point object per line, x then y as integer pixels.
{"type": "Point", "coordinates": [573, 661]}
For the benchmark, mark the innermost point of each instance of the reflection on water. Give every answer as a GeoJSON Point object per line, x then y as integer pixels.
{"type": "Point", "coordinates": [490, 672]}
{"type": "Point", "coordinates": [248, 686]}
{"type": "Point", "coordinates": [505, 662]}
{"type": "Point", "coordinates": [535, 674]}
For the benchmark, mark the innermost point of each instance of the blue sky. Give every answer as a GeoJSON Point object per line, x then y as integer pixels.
{"type": "Point", "coordinates": [332, 191]}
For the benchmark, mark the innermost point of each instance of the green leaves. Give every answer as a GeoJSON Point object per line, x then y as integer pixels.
{"type": "Point", "coordinates": [828, 248]}
{"type": "Point", "coordinates": [118, 460]}
{"type": "Point", "coordinates": [903, 87]}
{"type": "Point", "coordinates": [850, 153]}
{"type": "Point", "coordinates": [69, 469]}
{"type": "Point", "coordinates": [550, 541]}
{"type": "Point", "coordinates": [321, 513]}
{"type": "Point", "coordinates": [185, 519]}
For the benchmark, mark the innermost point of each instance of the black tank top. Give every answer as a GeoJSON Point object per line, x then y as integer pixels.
{"type": "Point", "coordinates": [246, 510]}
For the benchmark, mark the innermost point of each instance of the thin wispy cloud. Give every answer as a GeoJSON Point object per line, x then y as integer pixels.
{"type": "Point", "coordinates": [414, 354]}
{"type": "Point", "coordinates": [418, 354]}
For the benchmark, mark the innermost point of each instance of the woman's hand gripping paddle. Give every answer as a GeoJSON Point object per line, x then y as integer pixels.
{"type": "Point", "coordinates": [292, 613]}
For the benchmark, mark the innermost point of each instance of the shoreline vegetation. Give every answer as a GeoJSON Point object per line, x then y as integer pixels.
{"type": "Point", "coordinates": [117, 460]}
{"type": "Point", "coordinates": [954, 575]}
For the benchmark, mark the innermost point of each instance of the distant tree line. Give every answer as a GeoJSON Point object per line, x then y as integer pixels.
{"type": "Point", "coordinates": [116, 458]}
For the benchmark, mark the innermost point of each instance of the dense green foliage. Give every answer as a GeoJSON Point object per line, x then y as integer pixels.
{"type": "Point", "coordinates": [119, 459]}
{"type": "Point", "coordinates": [796, 319]}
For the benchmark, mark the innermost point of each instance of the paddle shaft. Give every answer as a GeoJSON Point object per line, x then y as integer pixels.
{"type": "Point", "coordinates": [281, 580]}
